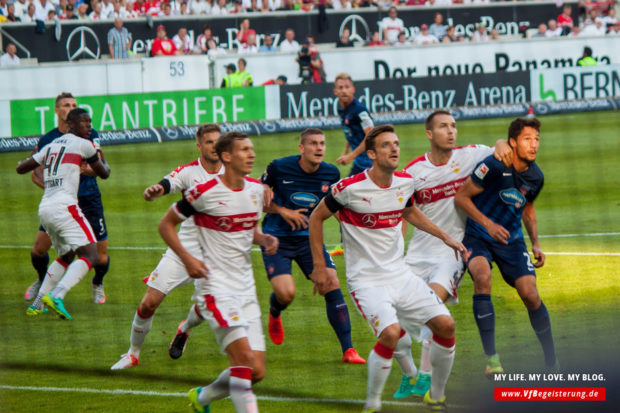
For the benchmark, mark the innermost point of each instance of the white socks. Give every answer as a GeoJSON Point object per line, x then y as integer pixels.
{"type": "Point", "coordinates": [193, 319]}
{"type": "Point", "coordinates": [139, 330]}
{"type": "Point", "coordinates": [219, 389]}
{"type": "Point", "coordinates": [442, 357]}
{"type": "Point", "coordinates": [75, 272]}
{"type": "Point", "coordinates": [52, 276]}
{"type": "Point", "coordinates": [425, 357]}
{"type": "Point", "coordinates": [379, 365]}
{"type": "Point", "coordinates": [241, 393]}
{"type": "Point", "coordinates": [402, 354]}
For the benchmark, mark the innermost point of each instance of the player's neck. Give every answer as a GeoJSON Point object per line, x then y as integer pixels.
{"type": "Point", "coordinates": [382, 178]}
{"type": "Point", "coordinates": [233, 180]}
{"type": "Point", "coordinates": [439, 156]}
{"type": "Point", "coordinates": [210, 167]}
{"type": "Point", "coordinates": [307, 167]}
{"type": "Point", "coordinates": [63, 127]}
{"type": "Point", "coordinates": [520, 165]}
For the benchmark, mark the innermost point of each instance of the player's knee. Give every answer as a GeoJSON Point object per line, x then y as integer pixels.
{"type": "Point", "coordinates": [258, 373]}
{"type": "Point", "coordinates": [286, 295]}
{"type": "Point", "coordinates": [148, 306]}
{"type": "Point", "coordinates": [447, 328]}
{"type": "Point", "coordinates": [531, 299]}
{"type": "Point", "coordinates": [390, 336]}
{"type": "Point", "coordinates": [102, 258]}
{"type": "Point", "coordinates": [246, 358]}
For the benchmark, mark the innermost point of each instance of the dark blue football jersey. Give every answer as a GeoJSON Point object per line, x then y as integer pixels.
{"type": "Point", "coordinates": [293, 188]}
{"type": "Point", "coordinates": [88, 184]}
{"type": "Point", "coordinates": [505, 193]}
{"type": "Point", "coordinates": [354, 119]}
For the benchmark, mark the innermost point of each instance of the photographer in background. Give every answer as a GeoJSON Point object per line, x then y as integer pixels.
{"type": "Point", "coordinates": [310, 64]}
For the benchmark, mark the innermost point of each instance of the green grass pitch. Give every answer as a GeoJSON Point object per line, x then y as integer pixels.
{"type": "Point", "coordinates": [39, 357]}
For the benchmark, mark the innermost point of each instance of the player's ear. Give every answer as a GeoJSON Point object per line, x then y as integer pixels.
{"type": "Point", "coordinates": [429, 134]}
{"type": "Point", "coordinates": [226, 157]}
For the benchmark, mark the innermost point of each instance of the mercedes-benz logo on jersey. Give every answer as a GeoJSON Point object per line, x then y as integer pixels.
{"type": "Point", "coordinates": [425, 195]}
{"type": "Point", "coordinates": [224, 223]}
{"type": "Point", "coordinates": [369, 220]}
{"type": "Point", "coordinates": [357, 26]}
{"type": "Point", "coordinates": [83, 43]}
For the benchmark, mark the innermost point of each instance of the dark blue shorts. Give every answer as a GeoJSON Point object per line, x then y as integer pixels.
{"type": "Point", "coordinates": [292, 249]}
{"type": "Point", "coordinates": [92, 208]}
{"type": "Point", "coordinates": [513, 260]}
{"type": "Point", "coordinates": [356, 169]}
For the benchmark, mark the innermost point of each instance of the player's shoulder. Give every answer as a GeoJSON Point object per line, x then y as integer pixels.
{"type": "Point", "coordinates": [285, 161]}
{"type": "Point", "coordinates": [186, 166]}
{"type": "Point", "coordinates": [198, 190]}
{"type": "Point", "coordinates": [358, 106]}
{"type": "Point", "coordinates": [48, 138]}
{"type": "Point", "coordinates": [402, 174]}
{"type": "Point", "coordinates": [253, 181]}
{"type": "Point", "coordinates": [535, 172]}
{"type": "Point", "coordinates": [328, 168]}
{"type": "Point", "coordinates": [93, 134]}
{"type": "Point", "coordinates": [415, 161]}
{"type": "Point", "coordinates": [349, 181]}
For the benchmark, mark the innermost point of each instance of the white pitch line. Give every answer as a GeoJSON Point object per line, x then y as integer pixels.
{"type": "Point", "coordinates": [168, 394]}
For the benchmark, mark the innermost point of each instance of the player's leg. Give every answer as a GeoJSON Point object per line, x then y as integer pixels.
{"type": "Point", "coordinates": [441, 357]}
{"type": "Point", "coordinates": [178, 343]}
{"type": "Point", "coordinates": [278, 269]}
{"type": "Point", "coordinates": [402, 355]}
{"type": "Point", "coordinates": [101, 269]}
{"type": "Point", "coordinates": [39, 258]}
{"type": "Point", "coordinates": [92, 209]}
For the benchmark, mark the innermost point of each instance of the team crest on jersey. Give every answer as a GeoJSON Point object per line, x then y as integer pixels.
{"type": "Point", "coordinates": [325, 188]}
{"type": "Point", "coordinates": [233, 315]}
{"type": "Point", "coordinates": [481, 171]}
{"type": "Point", "coordinates": [512, 197]}
{"type": "Point", "coordinates": [375, 321]}
{"type": "Point", "coordinates": [400, 195]}
{"type": "Point", "coordinates": [254, 199]}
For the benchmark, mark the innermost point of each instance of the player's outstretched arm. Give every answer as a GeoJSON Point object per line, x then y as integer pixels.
{"type": "Point", "coordinates": [269, 242]}
{"type": "Point", "coordinates": [153, 192]}
{"type": "Point", "coordinates": [347, 158]}
{"type": "Point", "coordinates": [346, 150]}
{"type": "Point", "coordinates": [503, 152]}
{"type": "Point", "coordinates": [415, 217]}
{"type": "Point", "coordinates": [315, 227]}
{"type": "Point", "coordinates": [296, 218]}
{"type": "Point", "coordinates": [531, 225]}
{"type": "Point", "coordinates": [168, 231]}
{"type": "Point", "coordinates": [26, 165]}
{"type": "Point", "coordinates": [101, 168]}
{"type": "Point", "coordinates": [463, 200]}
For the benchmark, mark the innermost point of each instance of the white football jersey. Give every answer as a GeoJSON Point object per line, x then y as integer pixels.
{"type": "Point", "coordinates": [225, 220]}
{"type": "Point", "coordinates": [181, 179]}
{"type": "Point", "coordinates": [435, 186]}
{"type": "Point", "coordinates": [61, 160]}
{"type": "Point", "coordinates": [371, 222]}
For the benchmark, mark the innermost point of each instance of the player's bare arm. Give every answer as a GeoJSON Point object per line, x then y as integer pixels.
{"type": "Point", "coordinates": [269, 242]}
{"type": "Point", "coordinates": [503, 152]}
{"type": "Point", "coordinates": [296, 218]}
{"type": "Point", "coordinates": [347, 158]}
{"type": "Point", "coordinates": [86, 169]}
{"type": "Point", "coordinates": [463, 199]}
{"type": "Point", "coordinates": [267, 195]}
{"type": "Point", "coordinates": [531, 225]}
{"type": "Point", "coordinates": [346, 150]}
{"type": "Point", "coordinates": [167, 229]}
{"type": "Point", "coordinates": [100, 167]}
{"type": "Point", "coordinates": [319, 274]}
{"type": "Point", "coordinates": [27, 165]}
{"type": "Point", "coordinates": [416, 218]}
{"type": "Point", "coordinates": [153, 192]}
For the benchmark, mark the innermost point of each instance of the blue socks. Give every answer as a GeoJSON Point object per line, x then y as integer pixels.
{"type": "Point", "coordinates": [541, 324]}
{"type": "Point", "coordinates": [40, 265]}
{"type": "Point", "coordinates": [338, 316]}
{"type": "Point", "coordinates": [100, 272]}
{"type": "Point", "coordinates": [275, 308]}
{"type": "Point", "coordinates": [485, 319]}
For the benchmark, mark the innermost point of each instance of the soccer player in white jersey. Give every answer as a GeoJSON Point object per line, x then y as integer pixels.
{"type": "Point", "coordinates": [170, 273]}
{"type": "Point", "coordinates": [59, 213]}
{"type": "Point", "coordinates": [226, 211]}
{"type": "Point", "coordinates": [389, 296]}
{"type": "Point", "coordinates": [437, 175]}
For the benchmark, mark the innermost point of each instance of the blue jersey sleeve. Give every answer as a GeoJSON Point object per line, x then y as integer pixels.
{"type": "Point", "coordinates": [487, 172]}
{"type": "Point", "coordinates": [268, 177]}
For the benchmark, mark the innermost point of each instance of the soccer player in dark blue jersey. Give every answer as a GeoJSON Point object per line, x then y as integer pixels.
{"type": "Point", "coordinates": [496, 199]}
{"type": "Point", "coordinates": [299, 182]}
{"type": "Point", "coordinates": [89, 200]}
{"type": "Point", "coordinates": [356, 122]}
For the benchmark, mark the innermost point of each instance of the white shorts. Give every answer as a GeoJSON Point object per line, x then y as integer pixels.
{"type": "Point", "coordinates": [410, 303]}
{"type": "Point", "coordinates": [67, 227]}
{"type": "Point", "coordinates": [232, 317]}
{"type": "Point", "coordinates": [169, 274]}
{"type": "Point", "coordinates": [445, 271]}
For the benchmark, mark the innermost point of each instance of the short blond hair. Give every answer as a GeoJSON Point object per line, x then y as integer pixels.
{"type": "Point", "coordinates": [343, 76]}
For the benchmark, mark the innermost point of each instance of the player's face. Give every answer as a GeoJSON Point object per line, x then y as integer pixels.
{"type": "Point", "coordinates": [206, 146]}
{"type": "Point", "coordinates": [527, 144]}
{"type": "Point", "coordinates": [344, 91]}
{"type": "Point", "coordinates": [65, 106]}
{"type": "Point", "coordinates": [443, 132]}
{"type": "Point", "coordinates": [387, 151]}
{"type": "Point", "coordinates": [313, 149]}
{"type": "Point", "coordinates": [82, 127]}
{"type": "Point", "coordinates": [242, 159]}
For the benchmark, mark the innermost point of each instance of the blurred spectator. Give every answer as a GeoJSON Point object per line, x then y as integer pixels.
{"type": "Point", "coordinates": [165, 10]}
{"type": "Point", "coordinates": [162, 46]}
{"type": "Point", "coordinates": [10, 57]}
{"type": "Point", "coordinates": [249, 47]}
{"type": "Point", "coordinates": [51, 15]}
{"type": "Point", "coordinates": [119, 40]}
{"type": "Point", "coordinates": [574, 31]}
{"type": "Point", "coordinates": [244, 76]}
{"type": "Point", "coordinates": [182, 9]}
{"type": "Point", "coordinates": [231, 76]}
{"type": "Point", "coordinates": [442, 3]}
{"type": "Point", "coordinates": [280, 81]}
{"type": "Point", "coordinates": [424, 37]}
{"type": "Point", "coordinates": [201, 42]}
{"type": "Point", "coordinates": [273, 4]}
{"type": "Point", "coordinates": [199, 7]}
{"type": "Point", "coordinates": [615, 30]}
{"type": "Point", "coordinates": [29, 16]}
{"type": "Point", "coordinates": [219, 9]}
{"type": "Point", "coordinates": [595, 29]}
{"type": "Point", "coordinates": [565, 19]}
{"type": "Point", "coordinates": [494, 35]}
{"type": "Point", "coordinates": [182, 42]}
{"type": "Point", "coordinates": [21, 8]}
{"type": "Point", "coordinates": [344, 40]}
{"type": "Point", "coordinates": [587, 59]}
{"type": "Point", "coordinates": [401, 40]}
{"type": "Point", "coordinates": [609, 21]}
{"type": "Point", "coordinates": [142, 7]}
{"type": "Point", "coordinates": [237, 7]}
{"type": "Point", "coordinates": [592, 17]}
{"type": "Point", "coordinates": [107, 8]}
{"type": "Point", "coordinates": [480, 35]}
{"type": "Point", "coordinates": [542, 31]}
{"type": "Point", "coordinates": [391, 26]}
{"type": "Point", "coordinates": [257, 6]}
{"type": "Point", "coordinates": [289, 44]}
{"type": "Point", "coordinates": [309, 58]}
{"type": "Point", "coordinates": [244, 31]}
{"type": "Point", "coordinates": [213, 49]}
{"type": "Point", "coordinates": [130, 10]}
{"type": "Point", "coordinates": [10, 14]}
{"type": "Point", "coordinates": [312, 47]}
{"type": "Point", "coordinates": [375, 40]}
{"type": "Point", "coordinates": [268, 45]}
{"type": "Point", "coordinates": [438, 29]}
{"type": "Point", "coordinates": [118, 11]}
{"type": "Point", "coordinates": [96, 13]}
{"type": "Point", "coordinates": [450, 35]}
{"type": "Point", "coordinates": [42, 8]}
{"type": "Point", "coordinates": [341, 4]}
{"type": "Point", "coordinates": [553, 30]}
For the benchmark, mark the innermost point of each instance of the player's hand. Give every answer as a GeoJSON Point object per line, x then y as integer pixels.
{"type": "Point", "coordinates": [539, 256]}
{"type": "Point", "coordinates": [503, 153]}
{"type": "Point", "coordinates": [498, 233]}
{"type": "Point", "coordinates": [320, 279]}
{"type": "Point", "coordinates": [267, 195]}
{"type": "Point", "coordinates": [296, 218]}
{"type": "Point", "coordinates": [153, 191]}
{"type": "Point", "coordinates": [344, 160]}
{"type": "Point", "coordinates": [195, 268]}
{"type": "Point", "coordinates": [270, 243]}
{"type": "Point", "coordinates": [458, 247]}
